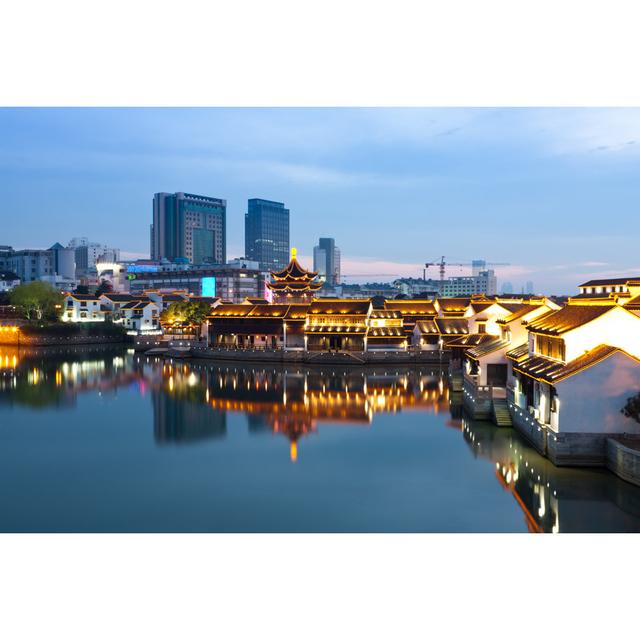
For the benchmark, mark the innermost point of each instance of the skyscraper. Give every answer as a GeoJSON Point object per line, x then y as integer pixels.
{"type": "Point", "coordinates": [326, 261]}
{"type": "Point", "coordinates": [266, 233]}
{"type": "Point", "coordinates": [190, 227]}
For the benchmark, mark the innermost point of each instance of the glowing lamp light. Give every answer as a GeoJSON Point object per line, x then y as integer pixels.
{"type": "Point", "coordinates": [293, 451]}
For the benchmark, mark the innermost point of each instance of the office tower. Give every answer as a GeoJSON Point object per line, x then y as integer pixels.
{"type": "Point", "coordinates": [266, 234]}
{"type": "Point", "coordinates": [188, 226]}
{"type": "Point", "coordinates": [529, 287]}
{"type": "Point", "coordinates": [326, 261]}
{"type": "Point", "coordinates": [484, 283]}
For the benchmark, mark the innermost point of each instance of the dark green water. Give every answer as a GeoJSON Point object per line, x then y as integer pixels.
{"type": "Point", "coordinates": [103, 440]}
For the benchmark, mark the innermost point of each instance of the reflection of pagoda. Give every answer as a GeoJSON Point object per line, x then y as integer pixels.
{"type": "Point", "coordinates": [293, 283]}
{"type": "Point", "coordinates": [294, 403]}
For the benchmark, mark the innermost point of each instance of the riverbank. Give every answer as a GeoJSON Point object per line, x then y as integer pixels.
{"type": "Point", "coordinates": [319, 357]}
{"type": "Point", "coordinates": [61, 335]}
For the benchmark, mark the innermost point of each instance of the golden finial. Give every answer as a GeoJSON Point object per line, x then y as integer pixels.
{"type": "Point", "coordinates": [294, 253]}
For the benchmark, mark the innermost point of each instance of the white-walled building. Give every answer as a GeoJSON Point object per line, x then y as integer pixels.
{"type": "Point", "coordinates": [570, 385]}
{"type": "Point", "coordinates": [141, 316]}
{"type": "Point", "coordinates": [78, 307]}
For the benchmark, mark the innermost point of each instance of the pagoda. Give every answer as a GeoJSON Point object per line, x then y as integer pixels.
{"type": "Point", "coordinates": [293, 283]}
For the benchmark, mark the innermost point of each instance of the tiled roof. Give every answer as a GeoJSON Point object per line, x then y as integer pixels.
{"type": "Point", "coordinates": [385, 314]}
{"type": "Point", "coordinates": [520, 313]}
{"type": "Point", "coordinates": [594, 296]}
{"type": "Point", "coordinates": [634, 303]}
{"type": "Point", "coordinates": [454, 304]}
{"type": "Point", "coordinates": [552, 371]}
{"type": "Point", "coordinates": [261, 311]}
{"type": "Point", "coordinates": [83, 296]}
{"type": "Point", "coordinates": [411, 307]}
{"type": "Point", "coordinates": [284, 311]}
{"type": "Point", "coordinates": [513, 306]}
{"type": "Point", "coordinates": [336, 328]}
{"type": "Point", "coordinates": [481, 306]}
{"type": "Point", "coordinates": [121, 297]}
{"type": "Point", "coordinates": [568, 318]}
{"type": "Point", "coordinates": [607, 282]}
{"type": "Point", "coordinates": [486, 348]}
{"type": "Point", "coordinates": [294, 286]}
{"type": "Point", "coordinates": [519, 353]}
{"type": "Point", "coordinates": [136, 304]}
{"type": "Point", "coordinates": [230, 310]}
{"type": "Point", "coordinates": [452, 326]}
{"type": "Point", "coordinates": [294, 270]}
{"type": "Point", "coordinates": [343, 306]}
{"type": "Point", "coordinates": [516, 314]}
{"type": "Point", "coordinates": [471, 340]}
{"type": "Point", "coordinates": [428, 327]}
{"type": "Point", "coordinates": [173, 298]}
{"type": "Point", "coordinates": [385, 332]}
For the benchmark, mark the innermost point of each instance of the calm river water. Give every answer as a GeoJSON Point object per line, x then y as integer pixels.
{"type": "Point", "coordinates": [101, 439]}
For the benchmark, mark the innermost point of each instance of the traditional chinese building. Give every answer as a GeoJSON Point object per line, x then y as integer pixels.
{"type": "Point", "coordinates": [294, 283]}
{"type": "Point", "coordinates": [338, 325]}
{"type": "Point", "coordinates": [570, 380]}
{"type": "Point", "coordinates": [260, 326]}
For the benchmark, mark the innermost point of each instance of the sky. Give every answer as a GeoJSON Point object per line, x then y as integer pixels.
{"type": "Point", "coordinates": [554, 193]}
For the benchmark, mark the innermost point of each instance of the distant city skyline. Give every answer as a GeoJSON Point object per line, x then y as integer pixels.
{"type": "Point", "coordinates": [552, 192]}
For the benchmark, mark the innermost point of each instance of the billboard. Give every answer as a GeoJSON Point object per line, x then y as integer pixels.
{"type": "Point", "coordinates": [208, 286]}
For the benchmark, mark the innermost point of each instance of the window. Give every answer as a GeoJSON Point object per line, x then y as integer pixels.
{"type": "Point", "coordinates": [551, 347]}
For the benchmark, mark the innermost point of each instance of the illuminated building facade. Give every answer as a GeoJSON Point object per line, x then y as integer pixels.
{"type": "Point", "coordinates": [338, 325]}
{"type": "Point", "coordinates": [258, 326]}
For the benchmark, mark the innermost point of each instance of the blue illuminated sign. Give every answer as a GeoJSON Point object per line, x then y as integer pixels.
{"type": "Point", "coordinates": [142, 268]}
{"type": "Point", "coordinates": [208, 286]}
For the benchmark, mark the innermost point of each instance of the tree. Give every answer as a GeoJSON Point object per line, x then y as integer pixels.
{"type": "Point", "coordinates": [632, 408]}
{"type": "Point", "coordinates": [192, 312]}
{"type": "Point", "coordinates": [197, 312]}
{"type": "Point", "coordinates": [37, 300]}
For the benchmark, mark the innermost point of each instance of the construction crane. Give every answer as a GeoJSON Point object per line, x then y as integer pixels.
{"type": "Point", "coordinates": [442, 264]}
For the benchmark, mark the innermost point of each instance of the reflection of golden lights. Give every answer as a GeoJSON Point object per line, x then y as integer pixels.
{"type": "Point", "coordinates": [293, 451]}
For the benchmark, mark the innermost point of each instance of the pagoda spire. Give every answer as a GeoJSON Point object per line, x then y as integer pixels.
{"type": "Point", "coordinates": [294, 284]}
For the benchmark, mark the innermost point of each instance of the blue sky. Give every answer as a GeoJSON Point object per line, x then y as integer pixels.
{"type": "Point", "coordinates": [553, 192]}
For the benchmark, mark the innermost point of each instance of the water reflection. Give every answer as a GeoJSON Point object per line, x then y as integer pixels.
{"type": "Point", "coordinates": [292, 402]}
{"type": "Point", "coordinates": [194, 402]}
{"type": "Point", "coordinates": [554, 499]}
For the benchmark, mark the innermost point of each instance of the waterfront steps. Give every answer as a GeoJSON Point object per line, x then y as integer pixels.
{"type": "Point", "coordinates": [500, 413]}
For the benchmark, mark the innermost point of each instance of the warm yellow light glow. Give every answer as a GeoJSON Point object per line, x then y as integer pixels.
{"type": "Point", "coordinates": [293, 451]}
